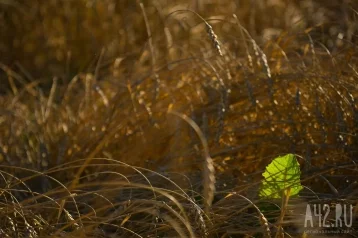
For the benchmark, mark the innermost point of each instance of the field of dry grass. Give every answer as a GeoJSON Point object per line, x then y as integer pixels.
{"type": "Point", "coordinates": [156, 118]}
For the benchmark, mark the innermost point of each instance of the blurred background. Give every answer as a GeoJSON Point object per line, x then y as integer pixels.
{"type": "Point", "coordinates": [40, 39]}
{"type": "Point", "coordinates": [137, 58]}
{"type": "Point", "coordinates": [276, 53]}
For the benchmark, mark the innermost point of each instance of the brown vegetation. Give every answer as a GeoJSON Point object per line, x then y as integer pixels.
{"type": "Point", "coordinates": [115, 113]}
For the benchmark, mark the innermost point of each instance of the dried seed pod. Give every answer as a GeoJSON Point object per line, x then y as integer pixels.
{"type": "Point", "coordinates": [214, 38]}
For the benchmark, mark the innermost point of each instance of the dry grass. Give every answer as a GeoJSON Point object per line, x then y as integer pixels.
{"type": "Point", "coordinates": [157, 118]}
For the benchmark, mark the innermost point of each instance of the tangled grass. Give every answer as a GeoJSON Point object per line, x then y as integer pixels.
{"type": "Point", "coordinates": [166, 131]}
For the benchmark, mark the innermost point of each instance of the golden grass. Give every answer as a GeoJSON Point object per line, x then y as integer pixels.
{"type": "Point", "coordinates": [157, 118]}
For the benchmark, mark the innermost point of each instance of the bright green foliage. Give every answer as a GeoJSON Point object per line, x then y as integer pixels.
{"type": "Point", "coordinates": [281, 176]}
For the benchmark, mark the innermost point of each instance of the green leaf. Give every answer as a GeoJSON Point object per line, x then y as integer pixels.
{"type": "Point", "coordinates": [282, 176]}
